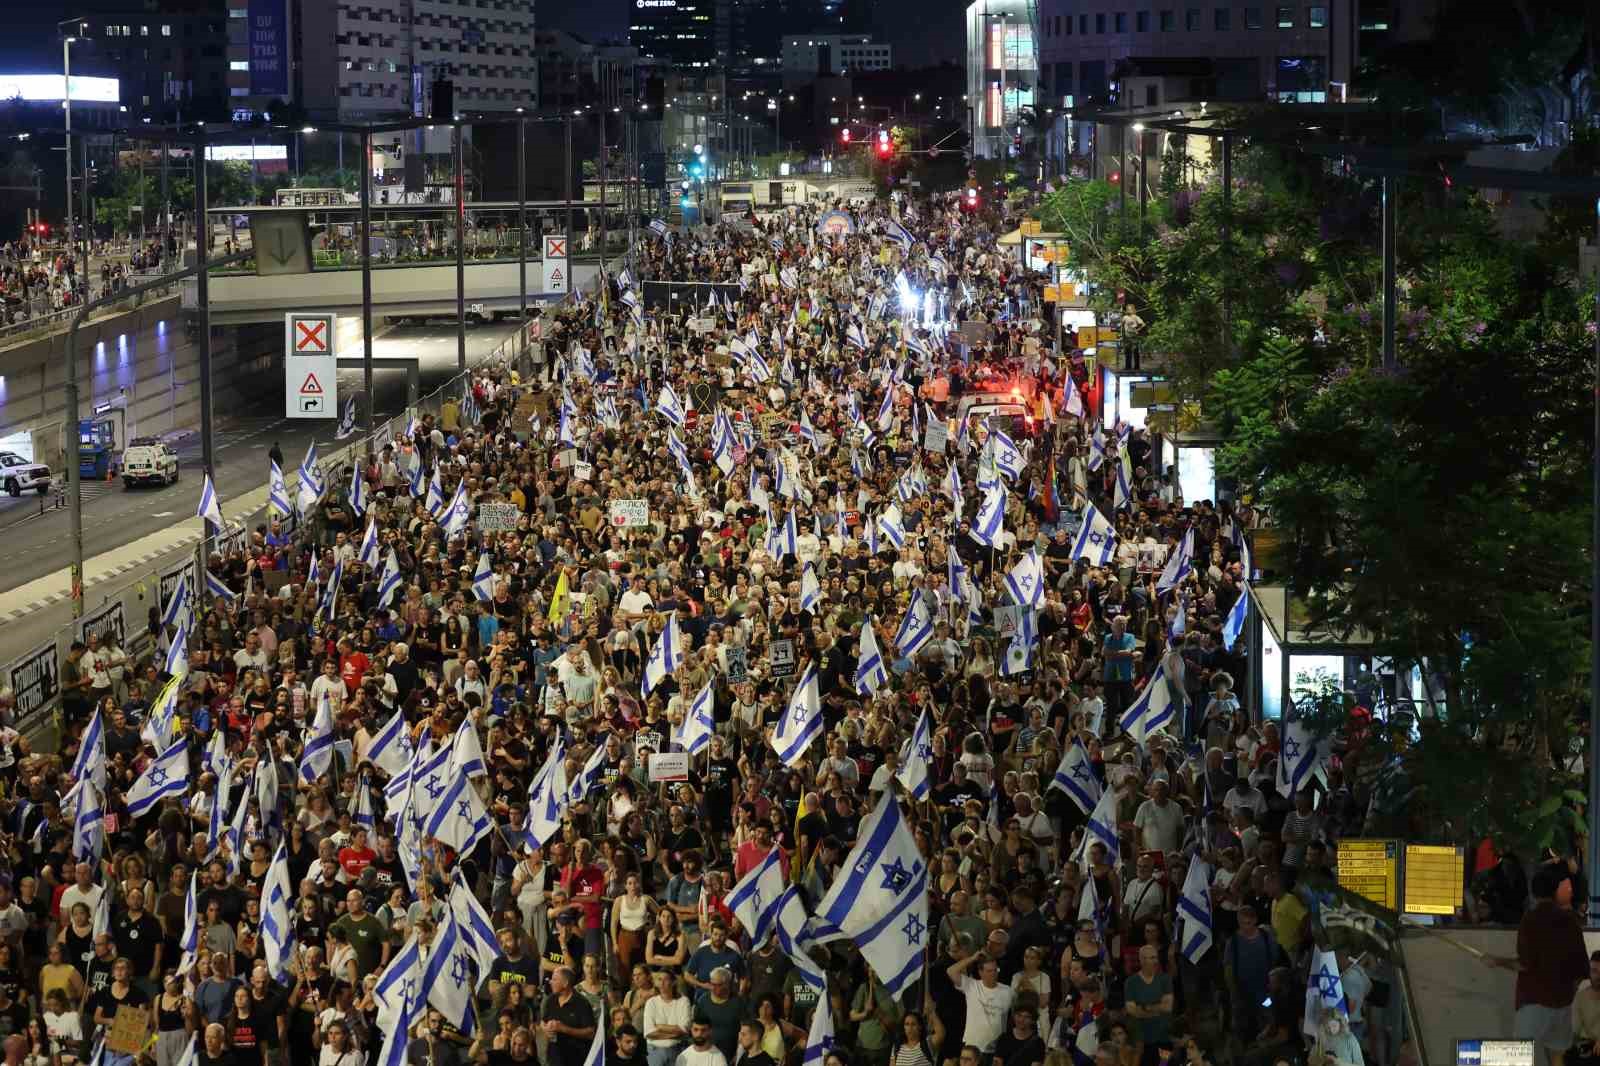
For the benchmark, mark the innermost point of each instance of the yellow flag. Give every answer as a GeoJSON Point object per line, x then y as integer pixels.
{"type": "Point", "coordinates": [561, 602]}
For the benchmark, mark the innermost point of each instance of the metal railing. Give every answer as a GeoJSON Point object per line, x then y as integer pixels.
{"type": "Point", "coordinates": [43, 317]}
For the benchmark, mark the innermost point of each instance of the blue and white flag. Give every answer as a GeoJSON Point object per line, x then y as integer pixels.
{"type": "Point", "coordinates": [1097, 449]}
{"type": "Point", "coordinates": [1025, 582]}
{"type": "Point", "coordinates": [755, 899]}
{"type": "Point", "coordinates": [991, 517]}
{"type": "Point", "coordinates": [458, 513]}
{"type": "Point", "coordinates": [1156, 706]}
{"type": "Point", "coordinates": [368, 555]}
{"type": "Point", "coordinates": [1019, 653]}
{"type": "Point", "coordinates": [547, 798]}
{"type": "Point", "coordinates": [1102, 828]}
{"type": "Point", "coordinates": [916, 628]}
{"type": "Point", "coordinates": [810, 590]}
{"type": "Point", "coordinates": [89, 825]}
{"type": "Point", "coordinates": [1006, 456]}
{"type": "Point", "coordinates": [1324, 990]}
{"type": "Point", "coordinates": [390, 750]}
{"type": "Point", "coordinates": [358, 491]}
{"type": "Point", "coordinates": [802, 720]}
{"type": "Point", "coordinates": [189, 941]}
{"type": "Point", "coordinates": [589, 775]}
{"type": "Point", "coordinates": [179, 611]}
{"type": "Point", "coordinates": [316, 758]}
{"type": "Point", "coordinates": [1092, 909]}
{"type": "Point", "coordinates": [886, 410]}
{"type": "Point", "coordinates": [596, 1055]}
{"type": "Point", "coordinates": [899, 234]}
{"type": "Point", "coordinates": [277, 490]}
{"type": "Point", "coordinates": [916, 758]}
{"type": "Point", "coordinates": [90, 763]}
{"type": "Point", "coordinates": [472, 925]}
{"type": "Point", "coordinates": [665, 658]}
{"type": "Point", "coordinates": [176, 662]}
{"type": "Point", "coordinates": [790, 927]}
{"type": "Point", "coordinates": [210, 506]}
{"type": "Point", "coordinates": [435, 500]}
{"type": "Point", "coordinates": [1194, 912]}
{"type": "Point", "coordinates": [1075, 776]}
{"type": "Point", "coordinates": [312, 485]}
{"type": "Point", "coordinates": [1071, 400]}
{"type": "Point", "coordinates": [668, 406]}
{"type": "Point", "coordinates": [1122, 496]}
{"type": "Point", "coordinates": [347, 420]}
{"type": "Point", "coordinates": [458, 818]}
{"type": "Point", "coordinates": [330, 595]}
{"type": "Point", "coordinates": [699, 721]}
{"type": "Point", "coordinates": [483, 578]}
{"type": "Point", "coordinates": [361, 812]}
{"type": "Point", "coordinates": [855, 335]}
{"type": "Point", "coordinates": [277, 921]}
{"type": "Point", "coordinates": [952, 487]}
{"type": "Point", "coordinates": [1097, 538]}
{"type": "Point", "coordinates": [1298, 757]}
{"type": "Point", "coordinates": [167, 776]}
{"type": "Point", "coordinates": [879, 899]}
{"type": "Point", "coordinates": [890, 525]}
{"type": "Point", "coordinates": [871, 673]}
{"type": "Point", "coordinates": [416, 478]}
{"type": "Point", "coordinates": [466, 751]}
{"type": "Point", "coordinates": [1179, 564]}
{"type": "Point", "coordinates": [399, 984]}
{"type": "Point", "coordinates": [1233, 625]}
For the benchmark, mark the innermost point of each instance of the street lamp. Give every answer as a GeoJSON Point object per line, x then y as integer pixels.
{"type": "Point", "coordinates": [67, 41]}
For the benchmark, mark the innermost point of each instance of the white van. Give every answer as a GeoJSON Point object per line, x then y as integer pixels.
{"type": "Point", "coordinates": [148, 461]}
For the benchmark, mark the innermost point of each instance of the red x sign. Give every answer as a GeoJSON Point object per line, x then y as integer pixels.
{"type": "Point", "coordinates": [311, 336]}
{"type": "Point", "coordinates": [555, 247]}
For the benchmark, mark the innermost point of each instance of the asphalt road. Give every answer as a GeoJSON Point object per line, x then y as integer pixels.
{"type": "Point", "coordinates": [34, 543]}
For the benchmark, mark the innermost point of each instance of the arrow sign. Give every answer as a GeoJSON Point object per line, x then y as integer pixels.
{"type": "Point", "coordinates": [280, 252]}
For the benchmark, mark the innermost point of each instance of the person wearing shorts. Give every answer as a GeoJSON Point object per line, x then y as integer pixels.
{"type": "Point", "coordinates": [1551, 959]}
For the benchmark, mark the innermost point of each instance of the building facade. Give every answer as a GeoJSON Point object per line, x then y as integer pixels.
{"type": "Point", "coordinates": [809, 56]}
{"type": "Point", "coordinates": [1137, 54]}
{"type": "Point", "coordinates": [1002, 73]}
{"type": "Point", "coordinates": [573, 73]}
{"type": "Point", "coordinates": [681, 33]}
{"type": "Point", "coordinates": [171, 56]}
{"type": "Point", "coordinates": [377, 59]}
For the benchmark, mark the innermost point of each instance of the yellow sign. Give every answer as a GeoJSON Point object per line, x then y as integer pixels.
{"type": "Point", "coordinates": [1032, 226]}
{"type": "Point", "coordinates": [1063, 293]}
{"type": "Point", "coordinates": [1053, 252]}
{"type": "Point", "coordinates": [1371, 869]}
{"type": "Point", "coordinates": [1434, 879]}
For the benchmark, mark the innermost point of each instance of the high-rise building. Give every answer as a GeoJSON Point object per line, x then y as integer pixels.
{"type": "Point", "coordinates": [682, 33]}
{"type": "Point", "coordinates": [378, 58]}
{"type": "Point", "coordinates": [170, 56]}
{"type": "Point", "coordinates": [1002, 72]}
{"type": "Point", "coordinates": [809, 56]}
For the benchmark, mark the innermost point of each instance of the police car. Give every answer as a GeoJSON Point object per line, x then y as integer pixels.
{"type": "Point", "coordinates": [16, 474]}
{"type": "Point", "coordinates": [149, 461]}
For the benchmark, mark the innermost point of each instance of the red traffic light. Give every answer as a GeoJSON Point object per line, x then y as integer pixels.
{"type": "Point", "coordinates": [42, 229]}
{"type": "Point", "coordinates": [885, 147]}
{"type": "Point", "coordinates": [844, 135]}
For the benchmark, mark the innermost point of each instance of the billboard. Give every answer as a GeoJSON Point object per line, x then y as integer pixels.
{"type": "Point", "coordinates": [269, 47]}
{"type": "Point", "coordinates": [49, 87]}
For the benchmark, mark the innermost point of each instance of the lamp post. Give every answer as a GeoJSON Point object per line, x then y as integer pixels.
{"type": "Point", "coordinates": [67, 41]}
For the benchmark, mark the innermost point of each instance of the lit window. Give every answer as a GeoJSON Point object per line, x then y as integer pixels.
{"type": "Point", "coordinates": [1285, 18]}
{"type": "Point", "coordinates": [239, 64]}
{"type": "Point", "coordinates": [144, 31]}
{"type": "Point", "coordinates": [1317, 17]}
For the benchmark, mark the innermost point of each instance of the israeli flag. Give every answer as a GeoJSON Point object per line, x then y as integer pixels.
{"type": "Point", "coordinates": [1025, 582]}
{"type": "Point", "coordinates": [789, 538]}
{"type": "Point", "coordinates": [91, 759]}
{"type": "Point", "coordinates": [802, 720]}
{"type": "Point", "coordinates": [899, 234]}
{"type": "Point", "coordinates": [330, 595]}
{"type": "Point", "coordinates": [886, 410]}
{"type": "Point", "coordinates": [277, 490]}
{"type": "Point", "coordinates": [1233, 625]}
{"type": "Point", "coordinates": [596, 1055]}
{"type": "Point", "coordinates": [991, 517]}
{"type": "Point", "coordinates": [483, 578]}
{"type": "Point", "coordinates": [368, 556]}
{"type": "Point", "coordinates": [1097, 538]}
{"type": "Point", "coordinates": [1298, 757]}
{"type": "Point", "coordinates": [588, 778]}
{"type": "Point", "coordinates": [167, 776]}
{"type": "Point", "coordinates": [1194, 912]}
{"type": "Point", "coordinates": [472, 925]}
{"type": "Point", "coordinates": [358, 491]}
{"type": "Point", "coordinates": [1006, 456]}
{"type": "Point", "coordinates": [916, 629]}
{"type": "Point", "coordinates": [1123, 495]}
{"type": "Point", "coordinates": [699, 722]}
{"type": "Point", "coordinates": [210, 506]}
{"type": "Point", "coordinates": [177, 659]}
{"type": "Point", "coordinates": [277, 926]}
{"type": "Point", "coordinates": [1102, 828]}
{"type": "Point", "coordinates": [459, 512]}
{"type": "Point", "coordinates": [1097, 449]}
{"type": "Point", "coordinates": [312, 485]}
{"type": "Point", "coordinates": [216, 588]}
{"type": "Point", "coordinates": [178, 612]}
{"type": "Point", "coordinates": [1180, 620]}
{"type": "Point", "coordinates": [547, 798]}
{"type": "Point", "coordinates": [665, 658]}
{"type": "Point", "coordinates": [790, 927]}
{"type": "Point", "coordinates": [459, 818]}
{"type": "Point", "coordinates": [1072, 400]}
{"type": "Point", "coordinates": [89, 826]}
{"type": "Point", "coordinates": [755, 899]}
{"type": "Point", "coordinates": [871, 674]}
{"type": "Point", "coordinates": [390, 579]}
{"type": "Point", "coordinates": [855, 335]}
{"type": "Point", "coordinates": [1179, 564]}
{"type": "Point", "coordinates": [1090, 908]}
{"type": "Point", "coordinates": [670, 407]}
{"type": "Point", "coordinates": [1075, 776]}
{"type": "Point", "coordinates": [361, 814]}
{"type": "Point", "coordinates": [1019, 653]}
{"type": "Point", "coordinates": [347, 420]}
{"type": "Point", "coordinates": [952, 486]}
{"type": "Point", "coordinates": [398, 984]}
{"type": "Point", "coordinates": [1154, 708]}
{"type": "Point", "coordinates": [391, 748]}
{"type": "Point", "coordinates": [316, 758]}
{"type": "Point", "coordinates": [435, 501]}
{"type": "Point", "coordinates": [889, 524]}
{"type": "Point", "coordinates": [810, 590]}
{"type": "Point", "coordinates": [916, 758]}
{"type": "Point", "coordinates": [1324, 989]}
{"type": "Point", "coordinates": [880, 899]}
{"type": "Point", "coordinates": [722, 452]}
{"type": "Point", "coordinates": [416, 480]}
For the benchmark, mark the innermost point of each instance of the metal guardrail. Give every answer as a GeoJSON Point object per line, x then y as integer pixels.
{"type": "Point", "coordinates": [60, 319]}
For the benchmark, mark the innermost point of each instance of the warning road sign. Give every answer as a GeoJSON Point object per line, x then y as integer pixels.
{"type": "Point", "coordinates": [310, 366]}
{"type": "Point", "coordinates": [555, 262]}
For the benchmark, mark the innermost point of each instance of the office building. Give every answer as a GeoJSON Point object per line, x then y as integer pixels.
{"type": "Point", "coordinates": [681, 33]}
{"type": "Point", "coordinates": [1131, 54]}
{"type": "Point", "coordinates": [574, 73]}
{"type": "Point", "coordinates": [809, 56]}
{"type": "Point", "coordinates": [170, 56]}
{"type": "Point", "coordinates": [1002, 72]}
{"type": "Point", "coordinates": [378, 59]}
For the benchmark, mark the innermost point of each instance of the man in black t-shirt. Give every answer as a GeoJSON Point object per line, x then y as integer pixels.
{"type": "Point", "coordinates": [97, 974]}
{"type": "Point", "coordinates": [511, 968]}
{"type": "Point", "coordinates": [1020, 1045]}
{"type": "Point", "coordinates": [568, 1021]}
{"type": "Point", "coordinates": [138, 937]}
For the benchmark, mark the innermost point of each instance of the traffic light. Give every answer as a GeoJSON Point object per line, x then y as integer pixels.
{"type": "Point", "coordinates": [970, 201]}
{"type": "Point", "coordinates": [885, 148]}
{"type": "Point", "coordinates": [1016, 143]}
{"type": "Point", "coordinates": [42, 229]}
{"type": "Point", "coordinates": [844, 136]}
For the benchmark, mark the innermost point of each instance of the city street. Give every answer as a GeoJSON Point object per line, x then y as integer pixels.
{"type": "Point", "coordinates": [35, 544]}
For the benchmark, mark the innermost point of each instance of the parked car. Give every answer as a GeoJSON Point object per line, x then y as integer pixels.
{"type": "Point", "coordinates": [149, 461]}
{"type": "Point", "coordinates": [16, 474]}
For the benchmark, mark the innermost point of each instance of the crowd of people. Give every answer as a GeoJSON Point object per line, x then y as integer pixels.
{"type": "Point", "coordinates": [36, 279]}
{"type": "Point", "coordinates": [245, 837]}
